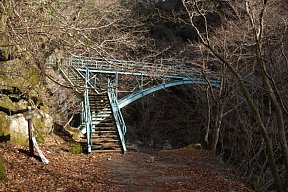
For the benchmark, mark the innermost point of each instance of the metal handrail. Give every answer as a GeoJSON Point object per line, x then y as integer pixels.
{"type": "Point", "coordinates": [160, 69]}
{"type": "Point", "coordinates": [88, 118]}
{"type": "Point", "coordinates": [165, 68]}
{"type": "Point", "coordinates": [120, 124]}
{"type": "Point", "coordinates": [92, 85]}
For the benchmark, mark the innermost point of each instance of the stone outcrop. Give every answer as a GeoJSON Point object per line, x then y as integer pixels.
{"type": "Point", "coordinates": [16, 126]}
{"type": "Point", "coordinates": [18, 129]}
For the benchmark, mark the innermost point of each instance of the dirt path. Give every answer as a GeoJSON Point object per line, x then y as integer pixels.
{"type": "Point", "coordinates": [175, 170]}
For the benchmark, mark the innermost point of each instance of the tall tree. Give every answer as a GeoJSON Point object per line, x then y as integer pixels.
{"type": "Point", "coordinates": [246, 46]}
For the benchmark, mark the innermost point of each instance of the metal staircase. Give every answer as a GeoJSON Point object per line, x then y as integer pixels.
{"type": "Point", "coordinates": [104, 136]}
{"type": "Point", "coordinates": [120, 124]}
{"type": "Point", "coordinates": [97, 120]}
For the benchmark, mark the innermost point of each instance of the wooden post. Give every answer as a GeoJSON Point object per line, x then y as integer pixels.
{"type": "Point", "coordinates": [29, 116]}
{"type": "Point", "coordinates": [30, 133]}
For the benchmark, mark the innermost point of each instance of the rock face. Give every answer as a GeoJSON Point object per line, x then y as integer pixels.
{"type": "Point", "coordinates": [18, 124]}
{"type": "Point", "coordinates": [13, 125]}
{"type": "Point", "coordinates": [4, 124]}
{"type": "Point", "coordinates": [17, 127]}
{"type": "Point", "coordinates": [43, 123]}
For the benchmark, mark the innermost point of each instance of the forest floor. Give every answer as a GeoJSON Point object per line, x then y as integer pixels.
{"type": "Point", "coordinates": [185, 169]}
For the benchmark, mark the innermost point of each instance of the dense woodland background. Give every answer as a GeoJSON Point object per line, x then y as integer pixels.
{"type": "Point", "coordinates": [245, 42]}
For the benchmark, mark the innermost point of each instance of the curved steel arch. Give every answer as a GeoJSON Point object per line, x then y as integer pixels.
{"type": "Point", "coordinates": [137, 95]}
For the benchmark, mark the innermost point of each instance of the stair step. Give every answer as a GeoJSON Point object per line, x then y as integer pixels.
{"type": "Point", "coordinates": [101, 115]}
{"type": "Point", "coordinates": [105, 103]}
{"type": "Point", "coordinates": [99, 133]}
{"type": "Point", "coordinates": [105, 141]}
{"type": "Point", "coordinates": [108, 133]}
{"type": "Point", "coordinates": [99, 112]}
{"type": "Point", "coordinates": [101, 148]}
{"type": "Point", "coordinates": [101, 118]}
{"type": "Point", "coordinates": [103, 124]}
{"type": "Point", "coordinates": [99, 100]}
{"type": "Point", "coordinates": [102, 145]}
{"type": "Point", "coordinates": [100, 94]}
{"type": "Point", "coordinates": [100, 136]}
{"type": "Point", "coordinates": [99, 108]}
{"type": "Point", "coordinates": [103, 128]}
{"type": "Point", "coordinates": [102, 106]}
{"type": "Point", "coordinates": [104, 113]}
{"type": "Point", "coordinates": [102, 110]}
{"type": "Point", "coordinates": [101, 141]}
{"type": "Point", "coordinates": [106, 125]}
{"type": "Point", "coordinates": [106, 145]}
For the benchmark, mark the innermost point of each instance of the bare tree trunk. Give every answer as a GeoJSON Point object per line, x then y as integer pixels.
{"type": "Point", "coordinates": [208, 116]}
{"type": "Point", "coordinates": [255, 110]}
{"type": "Point", "coordinates": [218, 123]}
{"type": "Point", "coordinates": [258, 30]}
{"type": "Point", "coordinates": [280, 124]}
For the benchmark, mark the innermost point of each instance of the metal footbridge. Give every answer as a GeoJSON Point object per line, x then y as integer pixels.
{"type": "Point", "coordinates": [106, 86]}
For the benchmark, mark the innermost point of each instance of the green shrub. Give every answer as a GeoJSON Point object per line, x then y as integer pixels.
{"type": "Point", "coordinates": [75, 149]}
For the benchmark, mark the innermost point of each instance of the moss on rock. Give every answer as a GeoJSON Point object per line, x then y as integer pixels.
{"type": "Point", "coordinates": [4, 124]}
{"type": "Point", "coordinates": [39, 132]}
{"type": "Point", "coordinates": [20, 74]}
{"type": "Point", "coordinates": [45, 108]}
{"type": "Point", "coordinates": [22, 104]}
{"type": "Point", "coordinates": [19, 139]}
{"type": "Point", "coordinates": [38, 125]}
{"type": "Point", "coordinates": [6, 102]}
{"type": "Point", "coordinates": [43, 125]}
{"type": "Point", "coordinates": [40, 139]}
{"type": "Point", "coordinates": [76, 135]}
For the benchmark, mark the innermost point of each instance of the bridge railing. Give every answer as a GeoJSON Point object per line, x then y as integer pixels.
{"type": "Point", "coordinates": [120, 124]}
{"type": "Point", "coordinates": [170, 69]}
{"type": "Point", "coordinates": [87, 115]}
{"type": "Point", "coordinates": [160, 69]}
{"type": "Point", "coordinates": [123, 66]}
